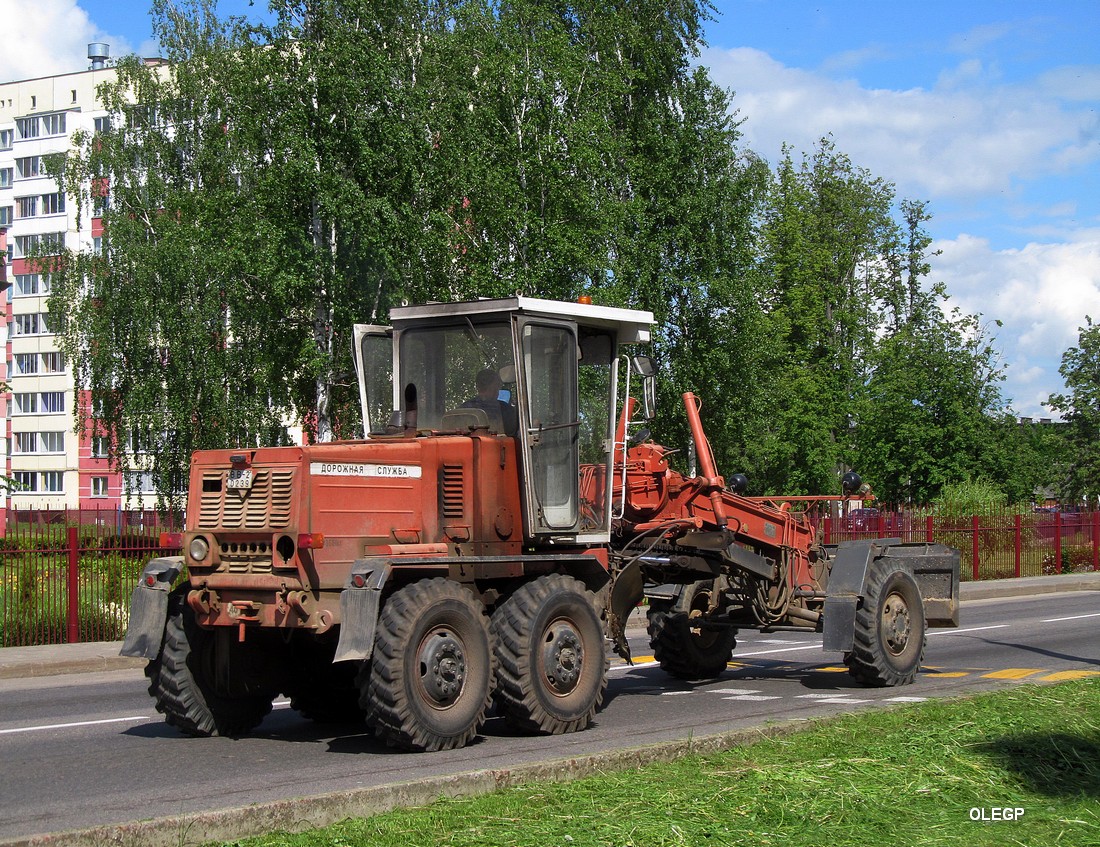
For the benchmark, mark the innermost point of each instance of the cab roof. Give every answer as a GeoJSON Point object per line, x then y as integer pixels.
{"type": "Point", "coordinates": [633, 325]}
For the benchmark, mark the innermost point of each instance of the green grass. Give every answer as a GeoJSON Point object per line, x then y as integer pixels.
{"type": "Point", "coordinates": [904, 776]}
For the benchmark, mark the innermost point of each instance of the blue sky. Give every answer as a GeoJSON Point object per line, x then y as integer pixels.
{"type": "Point", "coordinates": [987, 110]}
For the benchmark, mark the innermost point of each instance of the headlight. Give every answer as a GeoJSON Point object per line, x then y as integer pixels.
{"type": "Point", "coordinates": [198, 549]}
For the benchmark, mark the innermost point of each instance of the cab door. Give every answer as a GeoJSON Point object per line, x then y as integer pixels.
{"type": "Point", "coordinates": [549, 425]}
{"type": "Point", "coordinates": [375, 365]}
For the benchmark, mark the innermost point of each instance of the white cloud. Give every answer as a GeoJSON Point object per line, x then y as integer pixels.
{"type": "Point", "coordinates": [47, 37]}
{"type": "Point", "coordinates": [1041, 292]}
{"type": "Point", "coordinates": [963, 139]}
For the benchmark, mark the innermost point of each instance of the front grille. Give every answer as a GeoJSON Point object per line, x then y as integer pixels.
{"type": "Point", "coordinates": [246, 557]}
{"type": "Point", "coordinates": [266, 505]}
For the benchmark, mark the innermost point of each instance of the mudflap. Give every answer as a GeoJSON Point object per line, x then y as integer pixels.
{"type": "Point", "coordinates": [360, 603]}
{"type": "Point", "coordinates": [936, 570]}
{"type": "Point", "coordinates": [626, 594]}
{"type": "Point", "coordinates": [935, 567]}
{"type": "Point", "coordinates": [149, 608]}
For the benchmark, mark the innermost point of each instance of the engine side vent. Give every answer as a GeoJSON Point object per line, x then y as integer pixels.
{"type": "Point", "coordinates": [453, 486]}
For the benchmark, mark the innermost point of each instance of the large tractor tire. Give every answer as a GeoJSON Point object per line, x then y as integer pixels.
{"type": "Point", "coordinates": [889, 628]}
{"type": "Point", "coordinates": [183, 679]}
{"type": "Point", "coordinates": [684, 650]}
{"type": "Point", "coordinates": [551, 661]}
{"type": "Point", "coordinates": [429, 683]}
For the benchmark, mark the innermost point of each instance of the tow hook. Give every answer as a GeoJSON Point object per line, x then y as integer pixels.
{"type": "Point", "coordinates": [243, 611]}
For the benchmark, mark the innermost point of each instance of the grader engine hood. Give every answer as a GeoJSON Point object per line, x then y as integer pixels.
{"type": "Point", "coordinates": [317, 509]}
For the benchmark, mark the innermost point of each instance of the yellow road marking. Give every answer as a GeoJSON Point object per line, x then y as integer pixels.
{"type": "Point", "coordinates": [1065, 676]}
{"type": "Point", "coordinates": [1013, 673]}
{"type": "Point", "coordinates": [947, 674]}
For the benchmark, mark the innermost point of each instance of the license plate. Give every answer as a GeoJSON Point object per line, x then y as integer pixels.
{"type": "Point", "coordinates": [240, 478]}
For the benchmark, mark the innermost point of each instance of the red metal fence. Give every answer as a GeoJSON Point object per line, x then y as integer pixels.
{"type": "Point", "coordinates": [68, 576]}
{"type": "Point", "coordinates": [992, 546]}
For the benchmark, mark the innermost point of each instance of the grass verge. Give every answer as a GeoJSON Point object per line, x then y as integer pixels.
{"type": "Point", "coordinates": [912, 775]}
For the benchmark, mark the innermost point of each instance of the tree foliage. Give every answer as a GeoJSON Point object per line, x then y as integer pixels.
{"type": "Point", "coordinates": [269, 186]}
{"type": "Point", "coordinates": [1080, 407]}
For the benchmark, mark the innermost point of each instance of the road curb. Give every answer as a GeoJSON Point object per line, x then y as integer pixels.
{"type": "Point", "coordinates": [305, 813]}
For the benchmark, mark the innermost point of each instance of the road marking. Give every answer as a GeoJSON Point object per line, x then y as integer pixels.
{"type": "Point", "coordinates": [129, 719]}
{"type": "Point", "coordinates": [1012, 673]}
{"type": "Point", "coordinates": [947, 674]}
{"type": "Point", "coordinates": [820, 696]}
{"type": "Point", "coordinates": [733, 691]}
{"type": "Point", "coordinates": [1074, 618]}
{"type": "Point", "coordinates": [844, 700]}
{"type": "Point", "coordinates": [753, 697]}
{"type": "Point", "coordinates": [783, 650]}
{"type": "Point", "coordinates": [1066, 676]}
{"type": "Point", "coordinates": [904, 699]}
{"type": "Point", "coordinates": [972, 629]}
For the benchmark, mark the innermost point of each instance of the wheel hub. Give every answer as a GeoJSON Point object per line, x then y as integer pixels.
{"type": "Point", "coordinates": [562, 657]}
{"type": "Point", "coordinates": [895, 623]}
{"type": "Point", "coordinates": [442, 662]}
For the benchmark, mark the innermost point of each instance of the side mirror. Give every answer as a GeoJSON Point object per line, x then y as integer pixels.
{"type": "Point", "coordinates": [644, 366]}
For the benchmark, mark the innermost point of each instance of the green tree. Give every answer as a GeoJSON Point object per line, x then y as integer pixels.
{"type": "Point", "coordinates": [1080, 408]}
{"type": "Point", "coordinates": [828, 229]}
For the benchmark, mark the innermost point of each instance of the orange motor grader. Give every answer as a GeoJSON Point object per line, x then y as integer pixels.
{"type": "Point", "coordinates": [485, 542]}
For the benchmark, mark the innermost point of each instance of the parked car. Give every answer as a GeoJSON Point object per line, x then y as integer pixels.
{"type": "Point", "coordinates": [862, 520]}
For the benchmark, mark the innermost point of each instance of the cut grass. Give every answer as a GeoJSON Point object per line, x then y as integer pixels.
{"type": "Point", "coordinates": [911, 775]}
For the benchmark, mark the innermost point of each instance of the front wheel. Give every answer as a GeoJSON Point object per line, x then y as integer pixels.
{"type": "Point", "coordinates": [889, 629]}
{"type": "Point", "coordinates": [550, 651]}
{"type": "Point", "coordinates": [429, 683]}
{"type": "Point", "coordinates": [201, 683]}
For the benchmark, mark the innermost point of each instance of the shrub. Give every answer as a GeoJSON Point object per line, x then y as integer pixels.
{"type": "Point", "coordinates": [1076, 558]}
{"type": "Point", "coordinates": [32, 626]}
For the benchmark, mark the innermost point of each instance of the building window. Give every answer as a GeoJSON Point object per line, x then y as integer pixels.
{"type": "Point", "coordinates": [103, 124]}
{"type": "Point", "coordinates": [99, 446]}
{"type": "Point", "coordinates": [99, 486]}
{"type": "Point", "coordinates": [53, 442]}
{"type": "Point", "coordinates": [53, 204]}
{"type": "Point", "coordinates": [25, 442]}
{"type": "Point", "coordinates": [28, 167]}
{"type": "Point", "coordinates": [28, 285]}
{"type": "Point", "coordinates": [97, 245]}
{"type": "Point", "coordinates": [139, 482]}
{"type": "Point", "coordinates": [26, 207]}
{"type": "Point", "coordinates": [53, 402]}
{"type": "Point", "coordinates": [32, 324]}
{"type": "Point", "coordinates": [6, 215]}
{"type": "Point", "coordinates": [5, 177]}
{"type": "Point", "coordinates": [53, 481]}
{"type": "Point", "coordinates": [26, 403]}
{"type": "Point", "coordinates": [27, 127]}
{"type": "Point", "coordinates": [26, 363]}
{"type": "Point", "coordinates": [6, 138]}
{"type": "Point", "coordinates": [53, 363]}
{"type": "Point", "coordinates": [48, 243]}
{"type": "Point", "coordinates": [27, 481]}
{"type": "Point", "coordinates": [53, 124]}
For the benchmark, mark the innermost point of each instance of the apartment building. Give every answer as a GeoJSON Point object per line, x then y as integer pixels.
{"type": "Point", "coordinates": [53, 467]}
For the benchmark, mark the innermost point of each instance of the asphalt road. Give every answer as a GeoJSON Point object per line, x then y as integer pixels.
{"type": "Point", "coordinates": [82, 750]}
